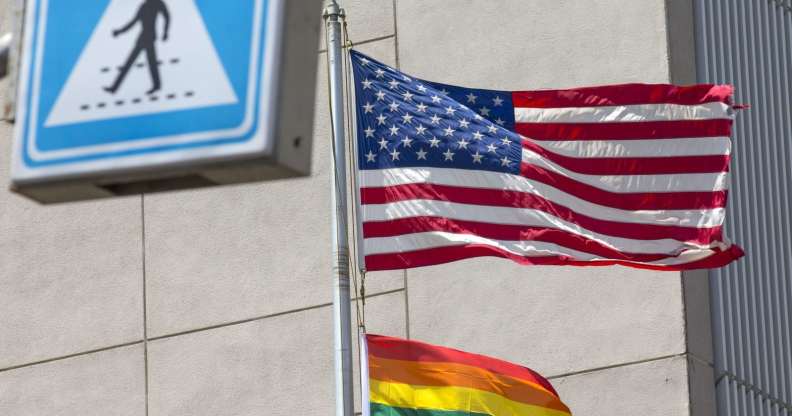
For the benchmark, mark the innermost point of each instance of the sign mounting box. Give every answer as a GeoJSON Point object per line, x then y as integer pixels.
{"type": "Point", "coordinates": [120, 97]}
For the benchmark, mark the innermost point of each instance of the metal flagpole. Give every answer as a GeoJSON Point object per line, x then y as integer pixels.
{"type": "Point", "coordinates": [342, 317]}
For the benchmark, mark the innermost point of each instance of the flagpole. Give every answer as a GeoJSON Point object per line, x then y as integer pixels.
{"type": "Point", "coordinates": [342, 316]}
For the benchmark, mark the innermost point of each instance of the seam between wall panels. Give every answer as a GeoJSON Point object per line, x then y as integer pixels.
{"type": "Point", "coordinates": [66, 357]}
{"type": "Point", "coordinates": [145, 301]}
{"type": "Point", "coordinates": [406, 307]}
{"type": "Point", "coordinates": [396, 34]}
{"type": "Point", "coordinates": [669, 55]}
{"type": "Point", "coordinates": [683, 290]}
{"type": "Point", "coordinates": [619, 365]}
{"type": "Point", "coordinates": [262, 317]}
{"type": "Point", "coordinates": [364, 42]}
{"type": "Point", "coordinates": [176, 334]}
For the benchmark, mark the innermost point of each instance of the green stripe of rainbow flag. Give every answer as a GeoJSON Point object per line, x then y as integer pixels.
{"type": "Point", "coordinates": [384, 410]}
{"type": "Point", "coordinates": [417, 379]}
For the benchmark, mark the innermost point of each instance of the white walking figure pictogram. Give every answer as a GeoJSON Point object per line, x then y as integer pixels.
{"type": "Point", "coordinates": [129, 67]}
{"type": "Point", "coordinates": [146, 42]}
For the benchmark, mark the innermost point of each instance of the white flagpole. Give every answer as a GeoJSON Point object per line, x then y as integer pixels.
{"type": "Point", "coordinates": [342, 316]}
{"type": "Point", "coordinates": [364, 377]}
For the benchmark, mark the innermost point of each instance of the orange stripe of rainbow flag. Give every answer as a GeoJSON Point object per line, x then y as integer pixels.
{"type": "Point", "coordinates": [409, 378]}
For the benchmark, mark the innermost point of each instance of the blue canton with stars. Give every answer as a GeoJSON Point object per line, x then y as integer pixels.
{"type": "Point", "coordinates": [407, 122]}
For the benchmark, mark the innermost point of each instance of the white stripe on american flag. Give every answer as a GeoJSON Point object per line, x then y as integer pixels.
{"type": "Point", "coordinates": [622, 113]}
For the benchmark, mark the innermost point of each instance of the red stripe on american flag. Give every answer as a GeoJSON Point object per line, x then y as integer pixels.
{"type": "Point", "coordinates": [502, 232]}
{"type": "Point", "coordinates": [626, 131]}
{"type": "Point", "coordinates": [631, 201]}
{"type": "Point", "coordinates": [626, 94]}
{"type": "Point", "coordinates": [441, 255]}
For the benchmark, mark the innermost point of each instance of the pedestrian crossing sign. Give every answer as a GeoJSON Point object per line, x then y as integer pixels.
{"type": "Point", "coordinates": [124, 96]}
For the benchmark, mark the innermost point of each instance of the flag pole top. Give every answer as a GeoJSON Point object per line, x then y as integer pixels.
{"type": "Point", "coordinates": [333, 10]}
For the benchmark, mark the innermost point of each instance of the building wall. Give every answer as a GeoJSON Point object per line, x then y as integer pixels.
{"type": "Point", "coordinates": [751, 298]}
{"type": "Point", "coordinates": [217, 301]}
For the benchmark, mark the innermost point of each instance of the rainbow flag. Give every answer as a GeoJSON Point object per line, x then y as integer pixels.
{"type": "Point", "coordinates": [410, 378]}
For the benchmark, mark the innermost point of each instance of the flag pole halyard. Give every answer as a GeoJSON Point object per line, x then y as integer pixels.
{"type": "Point", "coordinates": [342, 317]}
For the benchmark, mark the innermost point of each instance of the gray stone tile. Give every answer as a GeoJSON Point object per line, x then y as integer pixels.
{"type": "Point", "coordinates": [366, 20]}
{"type": "Point", "coordinates": [656, 388]}
{"type": "Point", "coordinates": [552, 44]}
{"type": "Point", "coordinates": [280, 366]}
{"type": "Point", "coordinates": [232, 253]}
{"type": "Point", "coordinates": [556, 320]}
{"type": "Point", "coordinates": [71, 275]}
{"type": "Point", "coordinates": [105, 383]}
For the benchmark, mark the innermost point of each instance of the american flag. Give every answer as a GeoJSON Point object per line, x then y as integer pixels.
{"type": "Point", "coordinates": [633, 174]}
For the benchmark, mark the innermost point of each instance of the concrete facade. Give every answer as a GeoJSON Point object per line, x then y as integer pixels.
{"type": "Point", "coordinates": [217, 301]}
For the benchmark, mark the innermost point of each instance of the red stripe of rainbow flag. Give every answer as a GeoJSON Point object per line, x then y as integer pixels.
{"type": "Point", "coordinates": [410, 378]}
